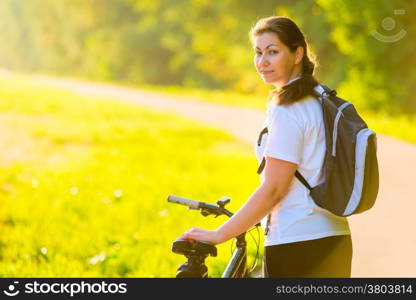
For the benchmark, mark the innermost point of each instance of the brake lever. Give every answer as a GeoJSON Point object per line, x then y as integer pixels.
{"type": "Point", "coordinates": [207, 212]}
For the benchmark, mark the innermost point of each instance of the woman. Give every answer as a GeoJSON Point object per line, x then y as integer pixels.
{"type": "Point", "coordinates": [302, 239]}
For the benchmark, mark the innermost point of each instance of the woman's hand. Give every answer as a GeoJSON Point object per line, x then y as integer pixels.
{"type": "Point", "coordinates": [203, 235]}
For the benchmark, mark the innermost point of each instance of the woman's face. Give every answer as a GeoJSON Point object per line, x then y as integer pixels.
{"type": "Point", "coordinates": [275, 63]}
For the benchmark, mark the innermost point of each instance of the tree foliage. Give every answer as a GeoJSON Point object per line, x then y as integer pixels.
{"type": "Point", "coordinates": [201, 43]}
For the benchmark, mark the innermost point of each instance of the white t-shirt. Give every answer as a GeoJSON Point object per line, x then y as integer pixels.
{"type": "Point", "coordinates": [296, 134]}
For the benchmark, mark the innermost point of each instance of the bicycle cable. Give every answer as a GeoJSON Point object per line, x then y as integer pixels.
{"type": "Point", "coordinates": [257, 243]}
{"type": "Point", "coordinates": [231, 246]}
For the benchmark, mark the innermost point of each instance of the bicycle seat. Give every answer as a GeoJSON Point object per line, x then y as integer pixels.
{"type": "Point", "coordinates": [186, 248]}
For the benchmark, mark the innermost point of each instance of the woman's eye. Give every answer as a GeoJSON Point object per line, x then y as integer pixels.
{"type": "Point", "coordinates": [258, 53]}
{"type": "Point", "coordinates": [273, 52]}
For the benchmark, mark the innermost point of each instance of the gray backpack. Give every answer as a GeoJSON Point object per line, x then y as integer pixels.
{"type": "Point", "coordinates": [350, 169]}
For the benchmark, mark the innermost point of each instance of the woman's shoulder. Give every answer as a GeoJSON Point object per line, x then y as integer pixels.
{"type": "Point", "coordinates": [306, 110]}
{"type": "Point", "coordinates": [307, 102]}
{"type": "Point", "coordinates": [301, 106]}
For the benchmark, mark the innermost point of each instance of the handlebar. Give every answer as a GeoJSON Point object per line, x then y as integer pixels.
{"type": "Point", "coordinates": [184, 201]}
{"type": "Point", "coordinates": [206, 208]}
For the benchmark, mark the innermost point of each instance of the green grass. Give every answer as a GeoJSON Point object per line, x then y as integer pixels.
{"type": "Point", "coordinates": [84, 182]}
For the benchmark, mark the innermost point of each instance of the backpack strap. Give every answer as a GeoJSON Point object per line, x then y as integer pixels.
{"type": "Point", "coordinates": [263, 162]}
{"type": "Point", "coordinates": [323, 91]}
{"type": "Point", "coordinates": [303, 180]}
{"type": "Point", "coordinates": [297, 174]}
{"type": "Point", "coordinates": [261, 167]}
{"type": "Point", "coordinates": [263, 132]}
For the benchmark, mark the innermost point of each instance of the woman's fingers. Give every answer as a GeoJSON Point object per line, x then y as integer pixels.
{"type": "Point", "coordinates": [191, 234]}
{"type": "Point", "coordinates": [198, 234]}
{"type": "Point", "coordinates": [185, 237]}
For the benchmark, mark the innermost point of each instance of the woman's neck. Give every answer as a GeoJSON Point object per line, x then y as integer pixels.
{"type": "Point", "coordinates": [294, 76]}
{"type": "Point", "coordinates": [293, 79]}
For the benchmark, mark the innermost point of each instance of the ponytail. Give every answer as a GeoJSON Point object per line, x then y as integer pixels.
{"type": "Point", "coordinates": [302, 87]}
{"type": "Point", "coordinates": [296, 90]}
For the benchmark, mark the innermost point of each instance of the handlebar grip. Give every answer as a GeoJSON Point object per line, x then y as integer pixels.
{"type": "Point", "coordinates": [187, 202]}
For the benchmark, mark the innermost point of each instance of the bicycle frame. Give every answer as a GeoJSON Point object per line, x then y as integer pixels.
{"type": "Point", "coordinates": [237, 267]}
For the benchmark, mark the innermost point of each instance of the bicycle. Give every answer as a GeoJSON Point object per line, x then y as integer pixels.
{"type": "Point", "coordinates": [196, 252]}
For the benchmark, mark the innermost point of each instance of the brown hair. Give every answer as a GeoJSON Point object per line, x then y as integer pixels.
{"type": "Point", "coordinates": [290, 35]}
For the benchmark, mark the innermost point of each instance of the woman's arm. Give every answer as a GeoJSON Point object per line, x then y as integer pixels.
{"type": "Point", "coordinates": [278, 175]}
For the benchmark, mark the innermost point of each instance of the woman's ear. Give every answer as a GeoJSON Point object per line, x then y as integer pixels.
{"type": "Point", "coordinates": [299, 54]}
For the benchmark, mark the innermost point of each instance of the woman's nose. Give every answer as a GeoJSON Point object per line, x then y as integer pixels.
{"type": "Point", "coordinates": [263, 61]}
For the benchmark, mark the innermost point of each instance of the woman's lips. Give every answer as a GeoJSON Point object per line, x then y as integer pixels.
{"type": "Point", "coordinates": [266, 72]}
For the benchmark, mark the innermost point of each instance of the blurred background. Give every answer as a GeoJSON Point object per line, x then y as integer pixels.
{"type": "Point", "coordinates": [83, 182]}
{"type": "Point", "coordinates": [204, 44]}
